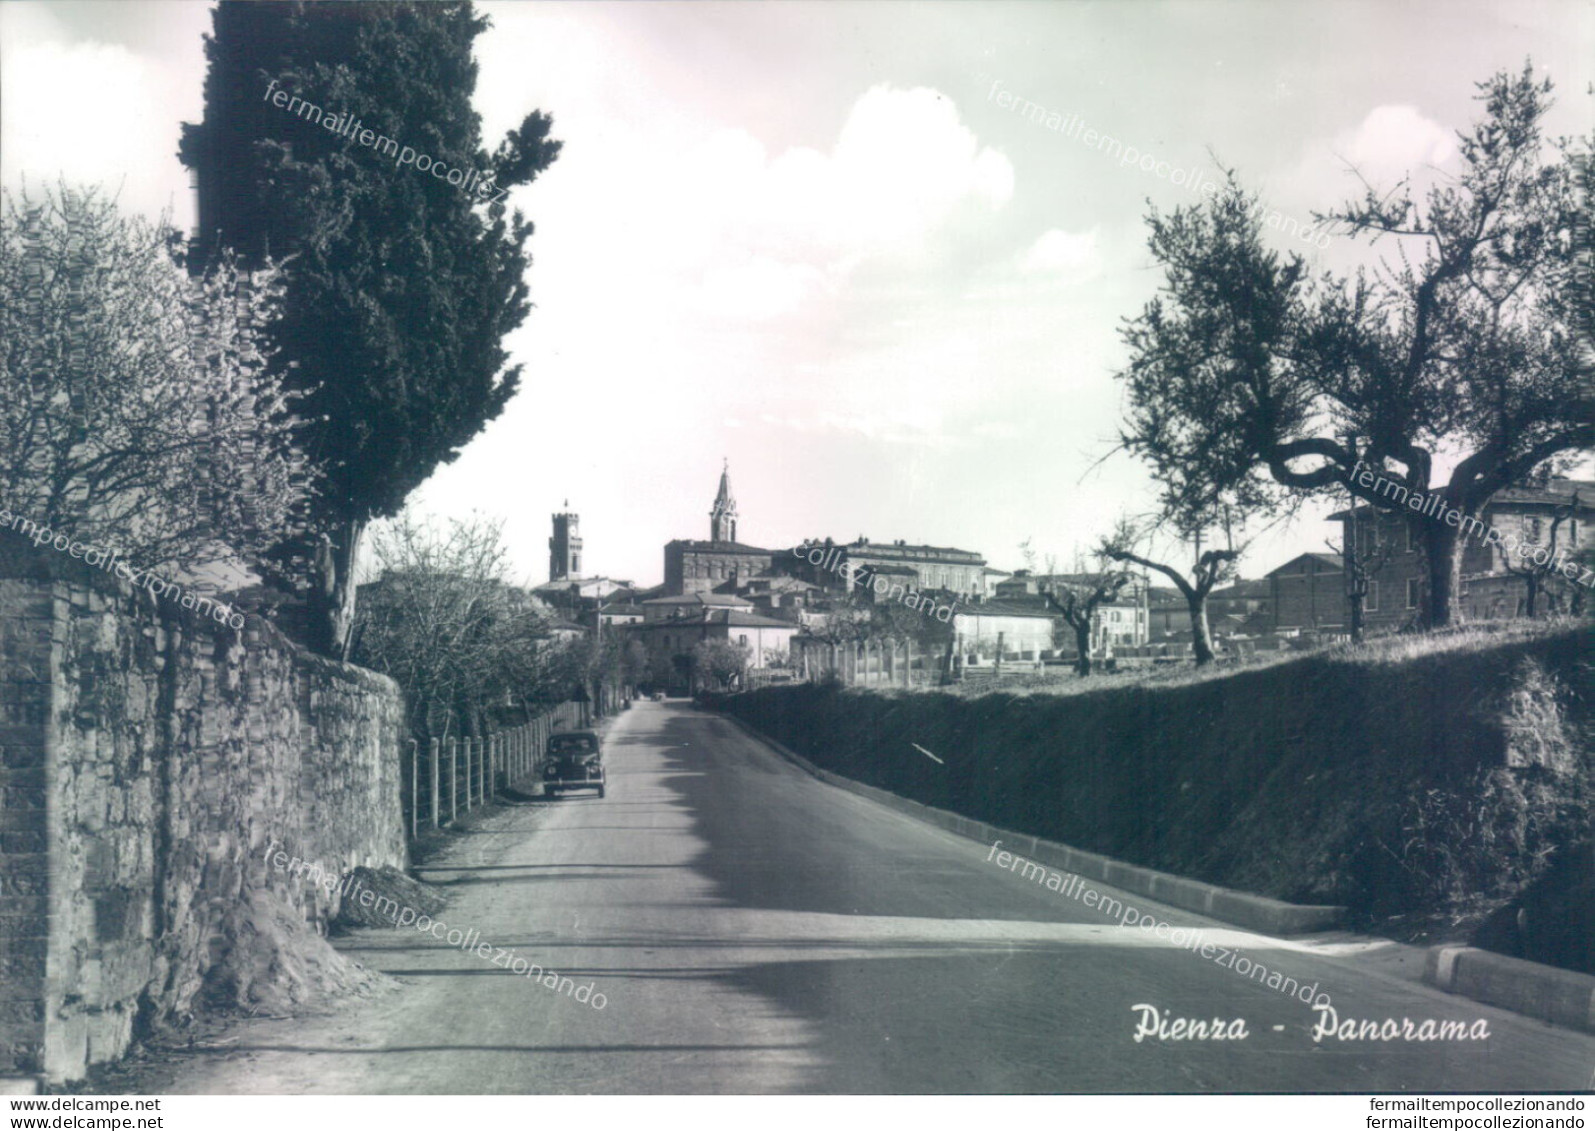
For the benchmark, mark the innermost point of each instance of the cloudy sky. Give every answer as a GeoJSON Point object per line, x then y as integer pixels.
{"type": "Point", "coordinates": [818, 239]}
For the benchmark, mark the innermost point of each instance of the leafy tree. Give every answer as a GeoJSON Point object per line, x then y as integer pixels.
{"type": "Point", "coordinates": [1244, 373]}
{"type": "Point", "coordinates": [719, 662]}
{"type": "Point", "coordinates": [890, 619]}
{"type": "Point", "coordinates": [136, 407]}
{"type": "Point", "coordinates": [400, 285]}
{"type": "Point", "coordinates": [634, 662]}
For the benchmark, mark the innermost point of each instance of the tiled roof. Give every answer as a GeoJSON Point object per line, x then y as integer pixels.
{"type": "Point", "coordinates": [1252, 590]}
{"type": "Point", "coordinates": [717, 547]}
{"type": "Point", "coordinates": [892, 549]}
{"type": "Point", "coordinates": [1332, 560]}
{"type": "Point", "coordinates": [1003, 609]}
{"type": "Point", "coordinates": [1561, 491]}
{"type": "Point", "coordinates": [732, 618]}
{"type": "Point", "coordinates": [702, 599]}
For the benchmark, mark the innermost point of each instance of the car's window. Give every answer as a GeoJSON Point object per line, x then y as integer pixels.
{"type": "Point", "coordinates": [571, 745]}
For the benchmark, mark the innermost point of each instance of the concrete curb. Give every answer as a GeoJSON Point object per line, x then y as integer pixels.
{"type": "Point", "coordinates": [1562, 997]}
{"type": "Point", "coordinates": [1254, 912]}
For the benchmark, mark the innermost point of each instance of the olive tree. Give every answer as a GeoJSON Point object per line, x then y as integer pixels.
{"type": "Point", "coordinates": [1460, 347]}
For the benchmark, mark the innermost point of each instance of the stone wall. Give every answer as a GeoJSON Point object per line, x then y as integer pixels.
{"type": "Point", "coordinates": [150, 756]}
{"type": "Point", "coordinates": [25, 615]}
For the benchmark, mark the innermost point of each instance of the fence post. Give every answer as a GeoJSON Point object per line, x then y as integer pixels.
{"type": "Point", "coordinates": [433, 775]}
{"type": "Point", "coordinates": [454, 778]}
{"type": "Point", "coordinates": [415, 788]}
{"type": "Point", "coordinates": [495, 758]}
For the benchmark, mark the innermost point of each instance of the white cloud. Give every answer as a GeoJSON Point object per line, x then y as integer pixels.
{"type": "Point", "coordinates": [1072, 257]}
{"type": "Point", "coordinates": [1394, 139]}
{"type": "Point", "coordinates": [1390, 143]}
{"type": "Point", "coordinates": [902, 166]}
{"type": "Point", "coordinates": [92, 113]}
{"type": "Point", "coordinates": [759, 289]}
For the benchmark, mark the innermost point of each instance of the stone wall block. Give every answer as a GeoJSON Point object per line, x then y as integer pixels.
{"type": "Point", "coordinates": [170, 750]}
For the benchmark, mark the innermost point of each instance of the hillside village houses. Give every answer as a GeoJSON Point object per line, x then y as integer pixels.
{"type": "Point", "coordinates": [779, 603]}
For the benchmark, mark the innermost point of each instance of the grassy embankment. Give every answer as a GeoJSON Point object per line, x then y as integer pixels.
{"type": "Point", "coordinates": [1427, 782]}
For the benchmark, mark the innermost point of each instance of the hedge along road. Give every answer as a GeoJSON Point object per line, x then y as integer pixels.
{"type": "Point", "coordinates": [759, 931]}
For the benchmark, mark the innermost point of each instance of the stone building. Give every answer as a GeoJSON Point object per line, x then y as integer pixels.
{"type": "Point", "coordinates": [565, 547]}
{"type": "Point", "coordinates": [1309, 592]}
{"type": "Point", "coordinates": [670, 641]}
{"type": "Point", "coordinates": [719, 562]}
{"type": "Point", "coordinates": [690, 605]}
{"type": "Point", "coordinates": [1489, 590]}
{"type": "Point", "coordinates": [1022, 631]}
{"type": "Point", "coordinates": [1122, 622]}
{"type": "Point", "coordinates": [937, 569]}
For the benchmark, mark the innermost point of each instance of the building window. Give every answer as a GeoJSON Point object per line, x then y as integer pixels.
{"type": "Point", "coordinates": [1531, 530]}
{"type": "Point", "coordinates": [1370, 603]}
{"type": "Point", "coordinates": [1414, 587]}
{"type": "Point", "coordinates": [1412, 537]}
{"type": "Point", "coordinates": [575, 563]}
{"type": "Point", "coordinates": [742, 639]}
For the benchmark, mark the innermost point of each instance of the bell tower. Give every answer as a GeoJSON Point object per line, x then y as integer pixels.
{"type": "Point", "coordinates": [565, 547]}
{"type": "Point", "coordinates": [723, 518]}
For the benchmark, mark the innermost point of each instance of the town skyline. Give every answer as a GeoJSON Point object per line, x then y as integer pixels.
{"type": "Point", "coordinates": [887, 292]}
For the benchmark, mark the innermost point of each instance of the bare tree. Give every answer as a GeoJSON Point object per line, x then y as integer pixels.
{"type": "Point", "coordinates": [1209, 568]}
{"type": "Point", "coordinates": [1077, 600]}
{"type": "Point", "coordinates": [459, 639]}
{"type": "Point", "coordinates": [1363, 554]}
{"type": "Point", "coordinates": [1534, 573]}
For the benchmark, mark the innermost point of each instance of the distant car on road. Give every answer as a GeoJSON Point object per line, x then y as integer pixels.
{"type": "Point", "coordinates": [659, 696]}
{"type": "Point", "coordinates": [575, 761]}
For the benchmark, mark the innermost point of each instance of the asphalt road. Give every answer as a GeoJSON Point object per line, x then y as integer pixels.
{"type": "Point", "coordinates": [754, 930]}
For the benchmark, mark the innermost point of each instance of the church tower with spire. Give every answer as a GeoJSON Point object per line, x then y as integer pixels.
{"type": "Point", "coordinates": [723, 518]}
{"type": "Point", "coordinates": [721, 564]}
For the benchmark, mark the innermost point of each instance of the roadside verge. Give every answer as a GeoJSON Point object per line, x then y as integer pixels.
{"type": "Point", "coordinates": [1255, 912]}
{"type": "Point", "coordinates": [1561, 997]}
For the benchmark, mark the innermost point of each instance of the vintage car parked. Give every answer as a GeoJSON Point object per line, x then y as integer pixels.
{"type": "Point", "coordinates": [575, 761]}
